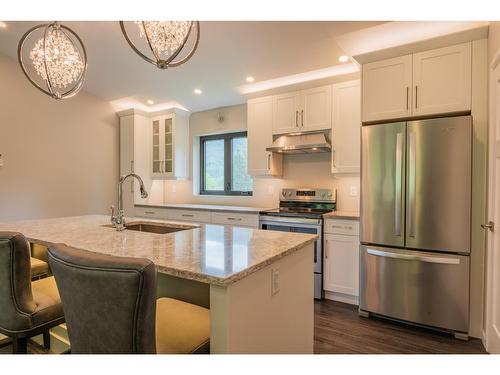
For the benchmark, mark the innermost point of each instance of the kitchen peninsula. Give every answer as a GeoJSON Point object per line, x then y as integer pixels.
{"type": "Point", "coordinates": [258, 284]}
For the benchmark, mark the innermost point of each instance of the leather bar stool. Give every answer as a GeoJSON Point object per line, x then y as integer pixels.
{"type": "Point", "coordinates": [110, 306]}
{"type": "Point", "coordinates": [27, 308]}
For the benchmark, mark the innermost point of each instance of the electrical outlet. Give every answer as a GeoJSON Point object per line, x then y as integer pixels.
{"type": "Point", "coordinates": [270, 190]}
{"type": "Point", "coordinates": [173, 189]}
{"type": "Point", "coordinates": [353, 191]}
{"type": "Point", "coordinates": [275, 281]}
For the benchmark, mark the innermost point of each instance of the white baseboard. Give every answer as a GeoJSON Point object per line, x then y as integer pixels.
{"type": "Point", "coordinates": [341, 297]}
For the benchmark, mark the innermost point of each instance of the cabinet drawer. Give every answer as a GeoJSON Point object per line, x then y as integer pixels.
{"type": "Point", "coordinates": [340, 226]}
{"type": "Point", "coordinates": [151, 212]}
{"type": "Point", "coordinates": [247, 220]}
{"type": "Point", "coordinates": [190, 215]}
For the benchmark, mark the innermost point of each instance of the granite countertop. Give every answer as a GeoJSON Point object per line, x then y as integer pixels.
{"type": "Point", "coordinates": [207, 207]}
{"type": "Point", "coordinates": [213, 254]}
{"type": "Point", "coordinates": [352, 215]}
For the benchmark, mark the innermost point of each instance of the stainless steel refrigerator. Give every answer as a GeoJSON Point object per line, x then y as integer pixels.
{"type": "Point", "coordinates": [416, 221]}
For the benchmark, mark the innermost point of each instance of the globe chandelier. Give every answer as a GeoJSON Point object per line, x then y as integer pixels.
{"type": "Point", "coordinates": [58, 60]}
{"type": "Point", "coordinates": [167, 41]}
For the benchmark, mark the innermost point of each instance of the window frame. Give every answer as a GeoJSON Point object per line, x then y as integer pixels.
{"type": "Point", "coordinates": [227, 138]}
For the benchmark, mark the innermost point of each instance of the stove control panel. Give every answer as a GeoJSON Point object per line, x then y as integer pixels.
{"type": "Point", "coordinates": [309, 195]}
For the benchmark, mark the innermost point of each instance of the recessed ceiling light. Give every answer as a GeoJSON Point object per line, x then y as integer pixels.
{"type": "Point", "coordinates": [250, 79]}
{"type": "Point", "coordinates": [343, 58]}
{"type": "Point", "coordinates": [198, 91]}
{"type": "Point", "coordinates": [150, 102]}
{"type": "Point", "coordinates": [3, 25]}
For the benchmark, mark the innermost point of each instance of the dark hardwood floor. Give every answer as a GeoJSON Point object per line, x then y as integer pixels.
{"type": "Point", "coordinates": [338, 329]}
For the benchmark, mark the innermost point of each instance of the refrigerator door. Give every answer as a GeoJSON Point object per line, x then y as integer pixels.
{"type": "Point", "coordinates": [438, 195]}
{"type": "Point", "coordinates": [382, 191]}
{"type": "Point", "coordinates": [420, 287]}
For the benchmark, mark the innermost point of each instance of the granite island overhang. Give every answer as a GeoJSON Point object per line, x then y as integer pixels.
{"type": "Point", "coordinates": [258, 284]}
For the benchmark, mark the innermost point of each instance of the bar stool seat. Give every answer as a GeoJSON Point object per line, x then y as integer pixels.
{"type": "Point", "coordinates": [110, 307]}
{"type": "Point", "coordinates": [39, 268]}
{"type": "Point", "coordinates": [181, 327]}
{"type": "Point", "coordinates": [27, 308]}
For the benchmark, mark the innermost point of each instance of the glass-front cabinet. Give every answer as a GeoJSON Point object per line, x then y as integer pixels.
{"type": "Point", "coordinates": [168, 136]}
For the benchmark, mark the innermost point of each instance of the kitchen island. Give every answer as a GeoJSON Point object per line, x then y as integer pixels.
{"type": "Point", "coordinates": [258, 284]}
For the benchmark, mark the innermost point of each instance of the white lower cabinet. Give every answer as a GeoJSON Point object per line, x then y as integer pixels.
{"type": "Point", "coordinates": [158, 213]}
{"type": "Point", "coordinates": [189, 215]}
{"type": "Point", "coordinates": [229, 218]}
{"type": "Point", "coordinates": [341, 262]}
{"type": "Point", "coordinates": [199, 216]}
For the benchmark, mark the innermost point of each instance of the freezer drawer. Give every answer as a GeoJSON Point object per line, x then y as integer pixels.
{"type": "Point", "coordinates": [419, 287]}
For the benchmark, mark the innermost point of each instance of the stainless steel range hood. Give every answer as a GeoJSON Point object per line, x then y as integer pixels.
{"type": "Point", "coordinates": [303, 143]}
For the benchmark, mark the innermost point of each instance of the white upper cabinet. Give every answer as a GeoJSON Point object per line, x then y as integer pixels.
{"type": "Point", "coordinates": [316, 108]}
{"type": "Point", "coordinates": [346, 127]}
{"type": "Point", "coordinates": [286, 113]}
{"type": "Point", "coordinates": [260, 136]}
{"type": "Point", "coordinates": [432, 82]}
{"type": "Point", "coordinates": [305, 110]}
{"type": "Point", "coordinates": [442, 80]}
{"type": "Point", "coordinates": [170, 142]}
{"type": "Point", "coordinates": [387, 89]}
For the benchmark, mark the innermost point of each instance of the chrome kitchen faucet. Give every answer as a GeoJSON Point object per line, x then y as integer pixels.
{"type": "Point", "coordinates": [117, 219]}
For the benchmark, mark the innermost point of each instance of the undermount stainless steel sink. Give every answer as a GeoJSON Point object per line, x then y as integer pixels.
{"type": "Point", "coordinates": [151, 227]}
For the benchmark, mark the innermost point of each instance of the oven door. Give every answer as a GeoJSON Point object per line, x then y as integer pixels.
{"type": "Point", "coordinates": [308, 226]}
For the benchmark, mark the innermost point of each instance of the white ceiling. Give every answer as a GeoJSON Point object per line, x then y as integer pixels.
{"type": "Point", "coordinates": [228, 52]}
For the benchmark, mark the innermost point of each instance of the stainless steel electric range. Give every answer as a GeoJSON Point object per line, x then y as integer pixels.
{"type": "Point", "coordinates": [301, 211]}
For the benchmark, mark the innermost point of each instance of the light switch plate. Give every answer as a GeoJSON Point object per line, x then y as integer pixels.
{"type": "Point", "coordinates": [353, 191]}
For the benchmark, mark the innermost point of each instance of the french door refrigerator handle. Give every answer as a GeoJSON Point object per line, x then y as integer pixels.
{"type": "Point", "coordinates": [412, 184]}
{"type": "Point", "coordinates": [419, 258]}
{"type": "Point", "coordinates": [398, 183]}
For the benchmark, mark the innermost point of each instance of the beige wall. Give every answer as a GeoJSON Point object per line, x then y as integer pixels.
{"type": "Point", "coordinates": [298, 170]}
{"type": "Point", "coordinates": [493, 40]}
{"type": "Point", "coordinates": [60, 157]}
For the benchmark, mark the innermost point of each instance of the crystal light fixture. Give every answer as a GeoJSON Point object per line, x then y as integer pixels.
{"type": "Point", "coordinates": [58, 58]}
{"type": "Point", "coordinates": [166, 41]}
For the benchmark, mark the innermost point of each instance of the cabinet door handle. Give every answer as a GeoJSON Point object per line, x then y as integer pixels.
{"type": "Point", "coordinates": [297, 118]}
{"type": "Point", "coordinates": [407, 96]}
{"type": "Point", "coordinates": [416, 96]}
{"type": "Point", "coordinates": [150, 212]}
{"type": "Point", "coordinates": [268, 161]}
{"type": "Point", "coordinates": [234, 218]}
{"type": "Point", "coordinates": [187, 215]}
{"type": "Point", "coordinates": [302, 117]}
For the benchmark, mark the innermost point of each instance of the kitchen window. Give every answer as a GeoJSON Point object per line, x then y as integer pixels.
{"type": "Point", "coordinates": [224, 160]}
